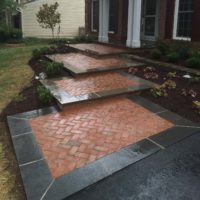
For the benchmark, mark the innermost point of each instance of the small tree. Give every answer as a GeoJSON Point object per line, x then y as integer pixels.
{"type": "Point", "coordinates": [48, 17]}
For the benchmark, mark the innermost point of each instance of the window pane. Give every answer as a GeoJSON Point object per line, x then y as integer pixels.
{"type": "Point", "coordinates": [113, 16]}
{"type": "Point", "coordinates": [186, 5]}
{"type": "Point", "coordinates": [150, 26]}
{"type": "Point", "coordinates": [95, 14]}
{"type": "Point", "coordinates": [151, 7]}
{"type": "Point", "coordinates": [185, 18]}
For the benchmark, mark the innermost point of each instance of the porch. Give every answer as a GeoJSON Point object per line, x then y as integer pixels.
{"type": "Point", "coordinates": [133, 23]}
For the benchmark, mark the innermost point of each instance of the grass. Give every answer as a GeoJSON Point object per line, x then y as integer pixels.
{"type": "Point", "coordinates": [15, 74]}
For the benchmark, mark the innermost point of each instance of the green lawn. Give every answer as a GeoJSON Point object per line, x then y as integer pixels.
{"type": "Point", "coordinates": [15, 74]}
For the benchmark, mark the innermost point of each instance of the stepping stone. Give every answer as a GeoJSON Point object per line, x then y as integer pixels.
{"type": "Point", "coordinates": [78, 63]}
{"type": "Point", "coordinates": [67, 90]}
{"type": "Point", "coordinates": [100, 49]}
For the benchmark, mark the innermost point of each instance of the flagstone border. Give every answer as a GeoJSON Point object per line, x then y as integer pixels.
{"type": "Point", "coordinates": [37, 179]}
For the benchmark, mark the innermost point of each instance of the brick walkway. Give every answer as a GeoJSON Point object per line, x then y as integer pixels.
{"type": "Point", "coordinates": [95, 83]}
{"type": "Point", "coordinates": [85, 132]}
{"type": "Point", "coordinates": [99, 48]}
{"type": "Point", "coordinates": [85, 62]}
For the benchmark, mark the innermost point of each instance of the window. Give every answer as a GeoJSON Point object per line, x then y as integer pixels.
{"type": "Point", "coordinates": [183, 19]}
{"type": "Point", "coordinates": [113, 16]}
{"type": "Point", "coordinates": [95, 15]}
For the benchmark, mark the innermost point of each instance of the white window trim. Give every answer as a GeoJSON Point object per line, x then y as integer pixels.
{"type": "Point", "coordinates": [175, 37]}
{"type": "Point", "coordinates": [93, 30]}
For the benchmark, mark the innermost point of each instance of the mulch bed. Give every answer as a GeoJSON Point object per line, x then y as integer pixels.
{"type": "Point", "coordinates": [175, 101]}
{"type": "Point", "coordinates": [31, 102]}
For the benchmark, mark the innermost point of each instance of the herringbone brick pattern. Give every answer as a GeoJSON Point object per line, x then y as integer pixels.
{"type": "Point", "coordinates": [95, 83]}
{"type": "Point", "coordinates": [99, 48]}
{"type": "Point", "coordinates": [84, 62]}
{"type": "Point", "coordinates": [85, 132]}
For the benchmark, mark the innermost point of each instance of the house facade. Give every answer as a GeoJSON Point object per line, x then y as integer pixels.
{"type": "Point", "coordinates": [72, 17]}
{"type": "Point", "coordinates": [132, 22]}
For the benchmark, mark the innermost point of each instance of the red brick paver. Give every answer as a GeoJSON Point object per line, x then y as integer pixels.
{"type": "Point", "coordinates": [99, 48]}
{"type": "Point", "coordinates": [85, 132]}
{"type": "Point", "coordinates": [85, 62]}
{"type": "Point", "coordinates": [95, 83]}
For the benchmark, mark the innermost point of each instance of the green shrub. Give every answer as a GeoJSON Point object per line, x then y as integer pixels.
{"type": "Point", "coordinates": [183, 52]}
{"type": "Point", "coordinates": [196, 53]}
{"type": "Point", "coordinates": [44, 94]}
{"type": "Point", "coordinates": [156, 54]}
{"type": "Point", "coordinates": [84, 39]}
{"type": "Point", "coordinates": [16, 34]}
{"type": "Point", "coordinates": [193, 62]}
{"type": "Point", "coordinates": [37, 53]}
{"type": "Point", "coordinates": [4, 32]}
{"type": "Point", "coordinates": [173, 57]}
{"type": "Point", "coordinates": [163, 47]}
{"type": "Point", "coordinates": [52, 68]}
{"type": "Point", "coordinates": [7, 34]}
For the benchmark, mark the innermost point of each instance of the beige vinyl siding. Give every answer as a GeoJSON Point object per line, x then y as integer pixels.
{"type": "Point", "coordinates": [72, 17]}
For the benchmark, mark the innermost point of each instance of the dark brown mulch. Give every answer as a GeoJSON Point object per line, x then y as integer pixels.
{"type": "Point", "coordinates": [31, 102]}
{"type": "Point", "coordinates": [182, 105]}
{"type": "Point", "coordinates": [38, 68]}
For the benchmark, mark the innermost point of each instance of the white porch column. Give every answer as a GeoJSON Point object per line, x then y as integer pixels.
{"type": "Point", "coordinates": [134, 23]}
{"type": "Point", "coordinates": [103, 20]}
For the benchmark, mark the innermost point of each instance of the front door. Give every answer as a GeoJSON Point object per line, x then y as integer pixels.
{"type": "Point", "coordinates": [149, 29]}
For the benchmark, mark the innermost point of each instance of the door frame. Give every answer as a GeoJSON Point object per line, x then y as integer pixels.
{"type": "Point", "coordinates": [143, 36]}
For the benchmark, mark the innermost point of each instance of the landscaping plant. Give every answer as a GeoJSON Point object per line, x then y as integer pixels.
{"type": "Point", "coordinates": [162, 90]}
{"type": "Point", "coordinates": [171, 75]}
{"type": "Point", "coordinates": [197, 106]}
{"type": "Point", "coordinates": [52, 68]}
{"type": "Point", "coordinates": [163, 48]}
{"type": "Point", "coordinates": [38, 53]}
{"type": "Point", "coordinates": [44, 94]}
{"type": "Point", "coordinates": [48, 17]}
{"type": "Point", "coordinates": [156, 54]}
{"type": "Point", "coordinates": [193, 62]}
{"type": "Point", "coordinates": [173, 57]}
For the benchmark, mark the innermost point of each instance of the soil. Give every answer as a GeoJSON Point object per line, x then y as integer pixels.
{"type": "Point", "coordinates": [175, 101]}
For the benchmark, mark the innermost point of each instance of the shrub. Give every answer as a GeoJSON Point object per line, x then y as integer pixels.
{"type": "Point", "coordinates": [196, 53]}
{"type": "Point", "coordinates": [44, 94]}
{"type": "Point", "coordinates": [193, 62]}
{"type": "Point", "coordinates": [173, 57]}
{"type": "Point", "coordinates": [52, 68]}
{"type": "Point", "coordinates": [156, 54]}
{"type": "Point", "coordinates": [84, 39]}
{"type": "Point", "coordinates": [183, 52]}
{"type": "Point", "coordinates": [37, 53]}
{"type": "Point", "coordinates": [16, 34]}
{"type": "Point", "coordinates": [4, 32]}
{"type": "Point", "coordinates": [163, 47]}
{"type": "Point", "coordinates": [9, 34]}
